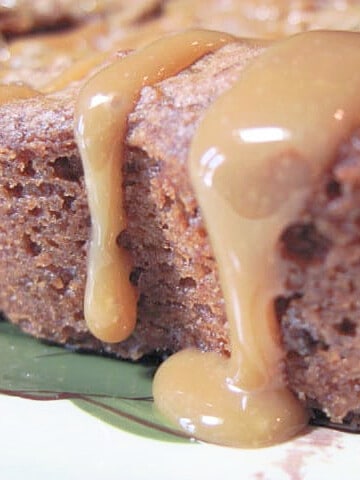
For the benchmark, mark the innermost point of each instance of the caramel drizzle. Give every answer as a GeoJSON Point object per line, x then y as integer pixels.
{"type": "Point", "coordinates": [102, 109]}
{"type": "Point", "coordinates": [295, 105]}
{"type": "Point", "coordinates": [283, 134]}
{"type": "Point", "coordinates": [9, 93]}
{"type": "Point", "coordinates": [70, 56]}
{"type": "Point", "coordinates": [280, 132]}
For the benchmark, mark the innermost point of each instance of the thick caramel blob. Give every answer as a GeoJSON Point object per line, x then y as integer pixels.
{"type": "Point", "coordinates": [102, 110]}
{"type": "Point", "coordinates": [253, 160]}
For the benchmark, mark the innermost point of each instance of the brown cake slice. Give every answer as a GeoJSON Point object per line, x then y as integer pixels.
{"type": "Point", "coordinates": [45, 229]}
{"type": "Point", "coordinates": [43, 204]}
{"type": "Point", "coordinates": [45, 220]}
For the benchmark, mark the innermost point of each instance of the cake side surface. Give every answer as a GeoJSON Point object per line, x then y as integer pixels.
{"type": "Point", "coordinates": [43, 204]}
{"type": "Point", "coordinates": [319, 313]}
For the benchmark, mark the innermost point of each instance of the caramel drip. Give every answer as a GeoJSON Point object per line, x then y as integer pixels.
{"type": "Point", "coordinates": [101, 119]}
{"type": "Point", "coordinates": [75, 54]}
{"type": "Point", "coordinates": [51, 55]}
{"type": "Point", "coordinates": [9, 93]}
{"type": "Point", "coordinates": [77, 71]}
{"type": "Point", "coordinates": [87, 63]}
{"type": "Point", "coordinates": [132, 25]}
{"type": "Point", "coordinates": [280, 126]}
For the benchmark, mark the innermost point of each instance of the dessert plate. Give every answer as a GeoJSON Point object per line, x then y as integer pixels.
{"type": "Point", "coordinates": [66, 416]}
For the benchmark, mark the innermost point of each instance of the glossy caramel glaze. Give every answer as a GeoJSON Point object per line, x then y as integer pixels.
{"type": "Point", "coordinates": [101, 120]}
{"type": "Point", "coordinates": [10, 93]}
{"type": "Point", "coordinates": [253, 160]}
{"type": "Point", "coordinates": [289, 95]}
{"type": "Point", "coordinates": [39, 60]}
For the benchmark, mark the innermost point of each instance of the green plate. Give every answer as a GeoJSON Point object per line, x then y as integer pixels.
{"type": "Point", "coordinates": [117, 392]}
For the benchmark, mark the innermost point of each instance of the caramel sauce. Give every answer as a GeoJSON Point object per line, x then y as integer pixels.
{"type": "Point", "coordinates": [9, 93]}
{"type": "Point", "coordinates": [77, 71]}
{"type": "Point", "coordinates": [101, 119]}
{"type": "Point", "coordinates": [86, 64]}
{"type": "Point", "coordinates": [69, 57]}
{"type": "Point", "coordinates": [251, 176]}
{"type": "Point", "coordinates": [64, 58]}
